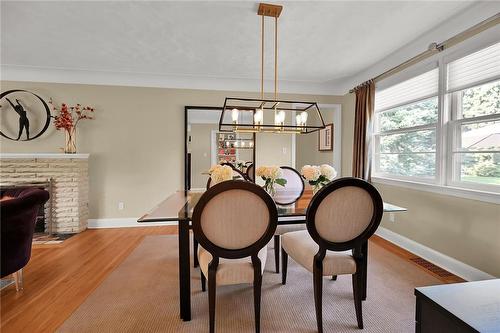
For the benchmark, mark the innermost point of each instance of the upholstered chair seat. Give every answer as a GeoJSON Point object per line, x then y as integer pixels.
{"type": "Point", "coordinates": [302, 248]}
{"type": "Point", "coordinates": [231, 271]}
{"type": "Point", "coordinates": [284, 228]}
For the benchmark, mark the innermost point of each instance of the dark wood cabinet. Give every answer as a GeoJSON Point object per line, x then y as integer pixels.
{"type": "Point", "coordinates": [459, 307]}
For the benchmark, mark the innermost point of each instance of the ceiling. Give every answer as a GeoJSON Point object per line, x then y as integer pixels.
{"type": "Point", "coordinates": [318, 41]}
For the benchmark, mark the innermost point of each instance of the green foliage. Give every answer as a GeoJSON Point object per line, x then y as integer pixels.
{"type": "Point", "coordinates": [482, 100]}
{"type": "Point", "coordinates": [280, 181]}
{"type": "Point", "coordinates": [413, 153]}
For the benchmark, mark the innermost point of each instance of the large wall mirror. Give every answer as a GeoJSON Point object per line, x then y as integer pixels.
{"type": "Point", "coordinates": [207, 146]}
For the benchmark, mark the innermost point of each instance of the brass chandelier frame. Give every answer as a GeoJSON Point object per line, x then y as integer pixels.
{"type": "Point", "coordinates": [258, 106]}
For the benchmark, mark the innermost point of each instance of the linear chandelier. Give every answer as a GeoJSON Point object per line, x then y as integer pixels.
{"type": "Point", "coordinates": [253, 115]}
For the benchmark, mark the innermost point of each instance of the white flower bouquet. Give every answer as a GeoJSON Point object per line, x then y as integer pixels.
{"type": "Point", "coordinates": [271, 175]}
{"type": "Point", "coordinates": [318, 176]}
{"type": "Point", "coordinates": [220, 173]}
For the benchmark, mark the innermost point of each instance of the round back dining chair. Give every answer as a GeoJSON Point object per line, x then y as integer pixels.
{"type": "Point", "coordinates": [287, 195]}
{"type": "Point", "coordinates": [233, 221]}
{"type": "Point", "coordinates": [293, 190]}
{"type": "Point", "coordinates": [250, 172]}
{"type": "Point", "coordinates": [340, 217]}
{"type": "Point", "coordinates": [344, 214]}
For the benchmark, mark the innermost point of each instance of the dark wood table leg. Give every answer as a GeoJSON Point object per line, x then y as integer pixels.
{"type": "Point", "coordinates": [184, 271]}
{"type": "Point", "coordinates": [364, 250]}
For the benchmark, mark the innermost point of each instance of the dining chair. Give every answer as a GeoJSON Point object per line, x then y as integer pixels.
{"type": "Point", "coordinates": [287, 195]}
{"type": "Point", "coordinates": [237, 174]}
{"type": "Point", "coordinates": [233, 221]}
{"type": "Point", "coordinates": [250, 173]}
{"type": "Point", "coordinates": [340, 219]}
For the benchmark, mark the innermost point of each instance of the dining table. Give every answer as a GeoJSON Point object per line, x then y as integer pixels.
{"type": "Point", "coordinates": [178, 207]}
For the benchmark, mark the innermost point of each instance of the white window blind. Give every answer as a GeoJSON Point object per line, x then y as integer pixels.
{"type": "Point", "coordinates": [417, 88]}
{"type": "Point", "coordinates": [474, 69]}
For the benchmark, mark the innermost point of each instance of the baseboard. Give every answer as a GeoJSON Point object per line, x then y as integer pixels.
{"type": "Point", "coordinates": [450, 264]}
{"type": "Point", "coordinates": [124, 223]}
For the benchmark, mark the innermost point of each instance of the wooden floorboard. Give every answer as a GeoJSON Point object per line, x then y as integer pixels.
{"type": "Point", "coordinates": [59, 278]}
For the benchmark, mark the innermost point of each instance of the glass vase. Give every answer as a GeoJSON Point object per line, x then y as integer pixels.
{"type": "Point", "coordinates": [70, 137]}
{"type": "Point", "coordinates": [316, 188]}
{"type": "Point", "coordinates": [269, 187]}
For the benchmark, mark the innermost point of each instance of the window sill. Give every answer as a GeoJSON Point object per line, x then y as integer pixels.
{"type": "Point", "coordinates": [490, 197]}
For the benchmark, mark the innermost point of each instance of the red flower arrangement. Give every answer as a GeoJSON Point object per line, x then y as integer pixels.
{"type": "Point", "coordinates": [68, 118]}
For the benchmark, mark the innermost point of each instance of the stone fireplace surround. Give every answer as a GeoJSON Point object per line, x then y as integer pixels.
{"type": "Point", "coordinates": [70, 188]}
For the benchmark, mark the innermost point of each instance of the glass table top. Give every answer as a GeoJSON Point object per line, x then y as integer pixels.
{"type": "Point", "coordinates": [179, 206]}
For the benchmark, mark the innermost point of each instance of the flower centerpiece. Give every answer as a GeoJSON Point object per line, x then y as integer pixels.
{"type": "Point", "coordinates": [67, 119]}
{"type": "Point", "coordinates": [318, 176]}
{"type": "Point", "coordinates": [271, 175]}
{"type": "Point", "coordinates": [220, 173]}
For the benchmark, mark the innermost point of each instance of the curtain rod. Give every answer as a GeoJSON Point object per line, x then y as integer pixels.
{"type": "Point", "coordinates": [436, 48]}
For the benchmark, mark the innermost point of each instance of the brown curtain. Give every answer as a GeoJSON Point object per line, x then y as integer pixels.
{"type": "Point", "coordinates": [363, 125]}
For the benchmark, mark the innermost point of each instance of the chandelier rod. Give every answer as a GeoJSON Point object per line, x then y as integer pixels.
{"type": "Point", "coordinates": [276, 57]}
{"type": "Point", "coordinates": [262, 61]}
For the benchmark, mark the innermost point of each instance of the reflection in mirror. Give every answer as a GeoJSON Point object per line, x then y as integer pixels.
{"type": "Point", "coordinates": [207, 146]}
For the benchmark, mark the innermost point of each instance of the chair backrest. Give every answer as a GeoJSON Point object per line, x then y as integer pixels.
{"type": "Point", "coordinates": [234, 219]}
{"type": "Point", "coordinates": [250, 172]}
{"type": "Point", "coordinates": [293, 189]}
{"type": "Point", "coordinates": [237, 174]}
{"type": "Point", "coordinates": [18, 219]}
{"type": "Point", "coordinates": [344, 214]}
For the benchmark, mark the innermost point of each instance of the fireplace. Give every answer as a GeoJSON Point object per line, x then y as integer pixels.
{"type": "Point", "coordinates": [65, 176]}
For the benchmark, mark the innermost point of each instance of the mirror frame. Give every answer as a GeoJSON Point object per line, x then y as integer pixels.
{"type": "Point", "coordinates": [187, 155]}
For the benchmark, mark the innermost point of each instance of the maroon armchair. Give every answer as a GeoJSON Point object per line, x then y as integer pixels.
{"type": "Point", "coordinates": [19, 209]}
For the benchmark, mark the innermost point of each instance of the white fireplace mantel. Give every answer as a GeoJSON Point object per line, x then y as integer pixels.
{"type": "Point", "coordinates": [44, 155]}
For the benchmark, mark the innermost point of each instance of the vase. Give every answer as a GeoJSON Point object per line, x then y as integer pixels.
{"type": "Point", "coordinates": [70, 137]}
{"type": "Point", "coordinates": [269, 187]}
{"type": "Point", "coordinates": [316, 188]}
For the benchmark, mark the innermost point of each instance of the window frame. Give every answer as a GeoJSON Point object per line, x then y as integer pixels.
{"type": "Point", "coordinates": [455, 123]}
{"type": "Point", "coordinates": [376, 142]}
{"type": "Point", "coordinates": [446, 127]}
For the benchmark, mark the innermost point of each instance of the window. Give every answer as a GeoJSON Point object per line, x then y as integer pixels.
{"type": "Point", "coordinates": [405, 128]}
{"type": "Point", "coordinates": [448, 136]}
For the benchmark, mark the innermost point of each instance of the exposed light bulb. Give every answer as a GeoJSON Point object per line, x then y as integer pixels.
{"type": "Point", "coordinates": [298, 120]}
{"type": "Point", "coordinates": [303, 116]}
{"type": "Point", "coordinates": [243, 143]}
{"type": "Point", "coordinates": [258, 116]}
{"type": "Point", "coordinates": [234, 115]}
{"type": "Point", "coordinates": [282, 116]}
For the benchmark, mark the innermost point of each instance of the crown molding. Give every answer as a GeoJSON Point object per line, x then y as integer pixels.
{"type": "Point", "coordinates": [71, 76]}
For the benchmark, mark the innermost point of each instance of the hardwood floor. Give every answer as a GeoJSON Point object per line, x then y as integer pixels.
{"type": "Point", "coordinates": [59, 278]}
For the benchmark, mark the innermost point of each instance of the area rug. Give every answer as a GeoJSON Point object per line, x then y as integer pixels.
{"type": "Point", "coordinates": [141, 295]}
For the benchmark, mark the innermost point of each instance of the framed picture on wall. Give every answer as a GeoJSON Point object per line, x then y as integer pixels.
{"type": "Point", "coordinates": [325, 138]}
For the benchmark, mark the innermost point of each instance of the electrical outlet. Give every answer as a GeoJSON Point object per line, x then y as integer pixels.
{"type": "Point", "coordinates": [392, 217]}
{"type": "Point", "coordinates": [121, 205]}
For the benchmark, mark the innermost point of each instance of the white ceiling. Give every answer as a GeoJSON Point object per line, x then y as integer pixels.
{"type": "Point", "coordinates": [318, 42]}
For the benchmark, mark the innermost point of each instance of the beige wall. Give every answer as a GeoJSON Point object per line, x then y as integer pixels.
{"type": "Point", "coordinates": [464, 229]}
{"type": "Point", "coordinates": [136, 141]}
